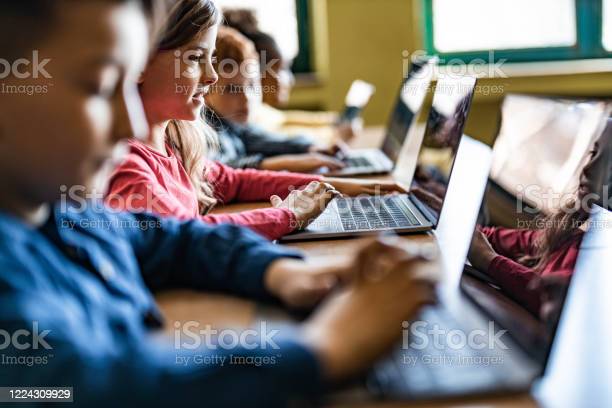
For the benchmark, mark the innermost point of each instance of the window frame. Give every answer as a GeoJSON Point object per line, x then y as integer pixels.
{"type": "Point", "coordinates": [303, 61]}
{"type": "Point", "coordinates": [589, 41]}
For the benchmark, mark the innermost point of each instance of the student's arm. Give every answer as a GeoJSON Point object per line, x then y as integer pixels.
{"type": "Point", "coordinates": [512, 243]}
{"type": "Point", "coordinates": [271, 223]}
{"type": "Point", "coordinates": [192, 254]}
{"type": "Point", "coordinates": [514, 279]}
{"type": "Point", "coordinates": [252, 161]}
{"type": "Point", "coordinates": [253, 185]}
{"type": "Point", "coordinates": [135, 190]}
{"type": "Point", "coordinates": [259, 141]}
{"type": "Point", "coordinates": [107, 364]}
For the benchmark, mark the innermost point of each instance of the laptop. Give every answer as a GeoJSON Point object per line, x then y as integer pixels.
{"type": "Point", "coordinates": [357, 98]}
{"type": "Point", "coordinates": [510, 365]}
{"type": "Point", "coordinates": [403, 213]}
{"type": "Point", "coordinates": [408, 104]}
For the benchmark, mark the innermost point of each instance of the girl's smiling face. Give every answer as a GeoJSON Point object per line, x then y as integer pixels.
{"type": "Point", "coordinates": [175, 81]}
{"type": "Point", "coordinates": [63, 135]}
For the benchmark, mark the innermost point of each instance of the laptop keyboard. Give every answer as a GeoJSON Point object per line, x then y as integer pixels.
{"type": "Point", "coordinates": [431, 370]}
{"type": "Point", "coordinates": [358, 162]}
{"type": "Point", "coordinates": [374, 212]}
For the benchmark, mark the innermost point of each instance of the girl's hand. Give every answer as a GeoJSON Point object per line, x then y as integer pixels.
{"type": "Point", "coordinates": [307, 204]}
{"type": "Point", "coordinates": [355, 326]}
{"type": "Point", "coordinates": [301, 163]}
{"type": "Point", "coordinates": [355, 187]}
{"type": "Point", "coordinates": [481, 252]}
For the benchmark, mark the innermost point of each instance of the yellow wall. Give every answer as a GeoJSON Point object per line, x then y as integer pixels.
{"type": "Point", "coordinates": [366, 39]}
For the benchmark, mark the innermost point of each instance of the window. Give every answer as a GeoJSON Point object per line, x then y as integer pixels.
{"type": "Point", "coordinates": [607, 25]}
{"type": "Point", "coordinates": [518, 30]}
{"type": "Point", "coordinates": [286, 21]}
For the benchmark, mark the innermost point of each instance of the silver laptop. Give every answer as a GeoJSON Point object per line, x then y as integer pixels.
{"type": "Point", "coordinates": [409, 102]}
{"type": "Point", "coordinates": [509, 351]}
{"type": "Point", "coordinates": [437, 150]}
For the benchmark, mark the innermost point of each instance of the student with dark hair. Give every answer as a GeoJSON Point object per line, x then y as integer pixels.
{"type": "Point", "coordinates": [78, 276]}
{"type": "Point", "coordinates": [232, 103]}
{"type": "Point", "coordinates": [277, 80]}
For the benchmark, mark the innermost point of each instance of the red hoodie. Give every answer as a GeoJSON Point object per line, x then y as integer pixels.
{"type": "Point", "coordinates": [150, 181]}
{"type": "Point", "coordinates": [513, 277]}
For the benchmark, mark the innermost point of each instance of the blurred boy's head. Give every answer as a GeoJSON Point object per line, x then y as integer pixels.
{"type": "Point", "coordinates": [276, 76]}
{"type": "Point", "coordinates": [69, 90]}
{"type": "Point", "coordinates": [238, 89]}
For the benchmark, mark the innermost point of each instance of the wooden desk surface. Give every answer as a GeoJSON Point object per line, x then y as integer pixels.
{"type": "Point", "coordinates": [221, 311]}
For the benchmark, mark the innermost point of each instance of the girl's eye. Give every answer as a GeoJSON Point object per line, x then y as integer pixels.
{"type": "Point", "coordinates": [197, 58]}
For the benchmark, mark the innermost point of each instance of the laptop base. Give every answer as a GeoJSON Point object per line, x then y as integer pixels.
{"type": "Point", "coordinates": [363, 162]}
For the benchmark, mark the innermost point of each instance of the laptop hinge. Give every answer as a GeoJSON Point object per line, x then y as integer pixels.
{"type": "Point", "coordinates": [424, 209]}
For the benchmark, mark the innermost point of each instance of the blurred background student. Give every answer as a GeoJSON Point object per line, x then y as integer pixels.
{"type": "Point", "coordinates": [232, 103]}
{"type": "Point", "coordinates": [277, 81]}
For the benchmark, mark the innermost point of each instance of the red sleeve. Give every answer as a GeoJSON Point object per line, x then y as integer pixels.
{"type": "Point", "coordinates": [512, 243]}
{"type": "Point", "coordinates": [272, 223]}
{"type": "Point", "coordinates": [514, 280]}
{"type": "Point", "coordinates": [134, 189]}
{"type": "Point", "coordinates": [253, 185]}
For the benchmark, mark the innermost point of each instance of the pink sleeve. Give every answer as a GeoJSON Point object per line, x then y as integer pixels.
{"type": "Point", "coordinates": [133, 188]}
{"type": "Point", "coordinates": [512, 243]}
{"type": "Point", "coordinates": [272, 223]}
{"type": "Point", "coordinates": [246, 185]}
{"type": "Point", "coordinates": [136, 190]}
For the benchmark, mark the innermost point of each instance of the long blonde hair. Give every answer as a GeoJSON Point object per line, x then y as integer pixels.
{"type": "Point", "coordinates": [191, 141]}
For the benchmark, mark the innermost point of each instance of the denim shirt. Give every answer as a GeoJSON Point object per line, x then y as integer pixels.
{"type": "Point", "coordinates": [81, 287]}
{"type": "Point", "coordinates": [246, 146]}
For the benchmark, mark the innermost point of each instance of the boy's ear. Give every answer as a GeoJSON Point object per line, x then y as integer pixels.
{"type": "Point", "coordinates": [140, 78]}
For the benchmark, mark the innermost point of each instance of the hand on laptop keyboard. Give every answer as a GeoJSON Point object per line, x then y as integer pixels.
{"type": "Point", "coordinates": [357, 325]}
{"type": "Point", "coordinates": [307, 204]}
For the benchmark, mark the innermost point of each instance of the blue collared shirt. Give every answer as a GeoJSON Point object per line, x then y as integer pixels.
{"type": "Point", "coordinates": [83, 283]}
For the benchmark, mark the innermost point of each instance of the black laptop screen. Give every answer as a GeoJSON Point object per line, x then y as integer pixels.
{"type": "Point", "coordinates": [445, 123]}
{"type": "Point", "coordinates": [409, 102]}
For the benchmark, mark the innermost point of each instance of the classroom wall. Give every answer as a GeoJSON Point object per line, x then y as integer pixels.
{"type": "Point", "coordinates": [368, 39]}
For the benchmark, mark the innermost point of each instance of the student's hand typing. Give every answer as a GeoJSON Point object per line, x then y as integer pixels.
{"type": "Point", "coordinates": [301, 284]}
{"type": "Point", "coordinates": [337, 149]}
{"type": "Point", "coordinates": [307, 204]}
{"type": "Point", "coordinates": [481, 252]}
{"type": "Point", "coordinates": [301, 163]}
{"type": "Point", "coordinates": [354, 326]}
{"type": "Point", "coordinates": [355, 187]}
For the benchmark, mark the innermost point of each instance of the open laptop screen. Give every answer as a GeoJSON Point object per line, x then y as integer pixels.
{"type": "Point", "coordinates": [445, 123]}
{"type": "Point", "coordinates": [409, 103]}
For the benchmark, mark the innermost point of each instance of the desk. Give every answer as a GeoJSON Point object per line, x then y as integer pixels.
{"type": "Point", "coordinates": [224, 311]}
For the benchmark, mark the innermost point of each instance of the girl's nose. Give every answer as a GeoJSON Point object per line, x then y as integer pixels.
{"type": "Point", "coordinates": [209, 77]}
